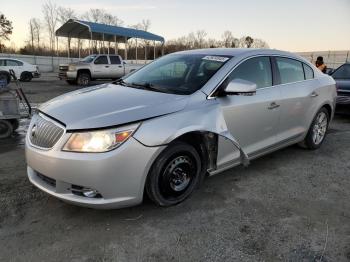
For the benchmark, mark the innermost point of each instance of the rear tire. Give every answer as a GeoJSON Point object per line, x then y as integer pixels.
{"type": "Point", "coordinates": [26, 77]}
{"type": "Point", "coordinates": [6, 128]}
{"type": "Point", "coordinates": [83, 79]}
{"type": "Point", "coordinates": [174, 175]}
{"type": "Point", "coordinates": [317, 131]}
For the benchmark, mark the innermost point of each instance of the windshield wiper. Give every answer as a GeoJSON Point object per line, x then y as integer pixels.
{"type": "Point", "coordinates": [147, 86]}
{"type": "Point", "coordinates": [120, 82]}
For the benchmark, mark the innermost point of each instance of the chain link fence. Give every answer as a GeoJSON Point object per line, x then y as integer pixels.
{"type": "Point", "coordinates": [333, 59]}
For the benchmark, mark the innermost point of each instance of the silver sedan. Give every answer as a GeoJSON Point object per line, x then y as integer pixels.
{"type": "Point", "coordinates": [165, 127]}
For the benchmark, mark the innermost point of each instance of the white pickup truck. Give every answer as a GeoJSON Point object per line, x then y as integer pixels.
{"type": "Point", "coordinates": [95, 67]}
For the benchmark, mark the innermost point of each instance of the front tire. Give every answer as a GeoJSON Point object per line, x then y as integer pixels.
{"type": "Point", "coordinates": [317, 131]}
{"type": "Point", "coordinates": [174, 175]}
{"type": "Point", "coordinates": [83, 79]}
{"type": "Point", "coordinates": [6, 128]}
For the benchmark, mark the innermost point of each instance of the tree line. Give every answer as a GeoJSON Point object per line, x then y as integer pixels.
{"type": "Point", "coordinates": [41, 39]}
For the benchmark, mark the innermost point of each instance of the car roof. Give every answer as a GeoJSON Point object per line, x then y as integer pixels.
{"type": "Point", "coordinates": [235, 52]}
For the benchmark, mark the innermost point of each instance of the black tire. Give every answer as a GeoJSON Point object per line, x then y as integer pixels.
{"type": "Point", "coordinates": [317, 131]}
{"type": "Point", "coordinates": [83, 79]}
{"type": "Point", "coordinates": [26, 77]}
{"type": "Point", "coordinates": [6, 128]}
{"type": "Point", "coordinates": [174, 175]}
{"type": "Point", "coordinates": [15, 124]}
{"type": "Point", "coordinates": [71, 82]}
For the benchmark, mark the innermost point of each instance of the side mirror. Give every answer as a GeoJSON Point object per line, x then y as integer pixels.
{"type": "Point", "coordinates": [239, 86]}
{"type": "Point", "coordinates": [124, 62]}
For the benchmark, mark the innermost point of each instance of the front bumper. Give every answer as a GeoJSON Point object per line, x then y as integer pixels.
{"type": "Point", "coordinates": [119, 175]}
{"type": "Point", "coordinates": [67, 75]}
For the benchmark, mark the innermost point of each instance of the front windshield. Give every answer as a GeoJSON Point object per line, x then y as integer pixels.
{"type": "Point", "coordinates": [88, 59]}
{"type": "Point", "coordinates": [178, 73]}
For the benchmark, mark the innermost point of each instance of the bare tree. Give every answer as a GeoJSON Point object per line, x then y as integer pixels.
{"type": "Point", "coordinates": [228, 40]}
{"type": "Point", "coordinates": [31, 34]}
{"type": "Point", "coordinates": [5, 29]}
{"type": "Point", "coordinates": [36, 30]}
{"type": "Point", "coordinates": [50, 11]}
{"type": "Point", "coordinates": [258, 43]}
{"type": "Point", "coordinates": [64, 14]}
{"type": "Point", "coordinates": [200, 38]}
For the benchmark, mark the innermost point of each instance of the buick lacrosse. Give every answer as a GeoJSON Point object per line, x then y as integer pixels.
{"type": "Point", "coordinates": [160, 130]}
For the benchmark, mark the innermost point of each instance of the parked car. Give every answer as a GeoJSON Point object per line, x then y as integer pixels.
{"type": "Point", "coordinates": [23, 70]}
{"type": "Point", "coordinates": [342, 78]}
{"type": "Point", "coordinates": [95, 67]}
{"type": "Point", "coordinates": [162, 129]}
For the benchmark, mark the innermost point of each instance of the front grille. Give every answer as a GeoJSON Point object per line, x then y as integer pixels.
{"type": "Point", "coordinates": [44, 133]}
{"type": "Point", "coordinates": [63, 68]}
{"type": "Point", "coordinates": [47, 180]}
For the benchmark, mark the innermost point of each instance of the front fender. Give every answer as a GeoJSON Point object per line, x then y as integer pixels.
{"type": "Point", "coordinates": [207, 118]}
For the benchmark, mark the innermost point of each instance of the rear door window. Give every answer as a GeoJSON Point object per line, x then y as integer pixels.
{"type": "Point", "coordinates": [2, 62]}
{"type": "Point", "coordinates": [115, 60]}
{"type": "Point", "coordinates": [309, 73]}
{"type": "Point", "coordinates": [290, 70]}
{"type": "Point", "coordinates": [101, 60]}
{"type": "Point", "coordinates": [13, 63]}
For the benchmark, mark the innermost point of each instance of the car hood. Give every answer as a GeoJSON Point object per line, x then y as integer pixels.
{"type": "Point", "coordinates": [110, 105]}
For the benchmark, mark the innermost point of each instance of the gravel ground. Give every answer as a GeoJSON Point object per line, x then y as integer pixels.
{"type": "Point", "coordinates": [292, 205]}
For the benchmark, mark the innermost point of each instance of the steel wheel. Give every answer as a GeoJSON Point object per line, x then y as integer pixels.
{"type": "Point", "coordinates": [320, 128]}
{"type": "Point", "coordinates": [174, 174]}
{"type": "Point", "coordinates": [177, 176]}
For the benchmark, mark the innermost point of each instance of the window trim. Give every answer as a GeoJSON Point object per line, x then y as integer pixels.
{"type": "Point", "coordinates": [272, 58]}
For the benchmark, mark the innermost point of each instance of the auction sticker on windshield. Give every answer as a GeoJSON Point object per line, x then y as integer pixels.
{"type": "Point", "coordinates": [216, 58]}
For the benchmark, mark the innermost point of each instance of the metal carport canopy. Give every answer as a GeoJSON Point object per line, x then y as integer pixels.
{"type": "Point", "coordinates": [95, 31]}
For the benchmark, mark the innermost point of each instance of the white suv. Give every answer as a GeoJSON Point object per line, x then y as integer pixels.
{"type": "Point", "coordinates": [23, 70]}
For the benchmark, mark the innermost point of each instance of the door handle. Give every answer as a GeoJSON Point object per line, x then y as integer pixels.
{"type": "Point", "coordinates": [106, 66]}
{"type": "Point", "coordinates": [314, 94]}
{"type": "Point", "coordinates": [120, 66]}
{"type": "Point", "coordinates": [273, 105]}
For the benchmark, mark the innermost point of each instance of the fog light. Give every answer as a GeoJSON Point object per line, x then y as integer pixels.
{"type": "Point", "coordinates": [88, 192]}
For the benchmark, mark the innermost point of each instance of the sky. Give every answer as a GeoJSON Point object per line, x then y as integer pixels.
{"type": "Point", "coordinates": [293, 25]}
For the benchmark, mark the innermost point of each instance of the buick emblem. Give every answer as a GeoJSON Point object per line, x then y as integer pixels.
{"type": "Point", "coordinates": [33, 131]}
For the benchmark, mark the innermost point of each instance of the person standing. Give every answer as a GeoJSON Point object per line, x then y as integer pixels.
{"type": "Point", "coordinates": [320, 64]}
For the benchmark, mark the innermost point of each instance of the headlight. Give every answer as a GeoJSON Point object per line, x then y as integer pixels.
{"type": "Point", "coordinates": [72, 68]}
{"type": "Point", "coordinates": [99, 141]}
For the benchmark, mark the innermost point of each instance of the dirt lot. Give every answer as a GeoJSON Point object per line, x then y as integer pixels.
{"type": "Point", "coordinates": [292, 205]}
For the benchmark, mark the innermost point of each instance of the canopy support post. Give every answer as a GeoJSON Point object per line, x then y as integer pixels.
{"type": "Point", "coordinates": [154, 50]}
{"type": "Point", "coordinates": [115, 45]}
{"type": "Point", "coordinates": [162, 48]}
{"type": "Point", "coordinates": [56, 45]}
{"type": "Point", "coordinates": [136, 53]}
{"type": "Point", "coordinates": [103, 41]}
{"type": "Point", "coordinates": [79, 47]}
{"type": "Point", "coordinates": [126, 49]}
{"type": "Point", "coordinates": [90, 47]}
